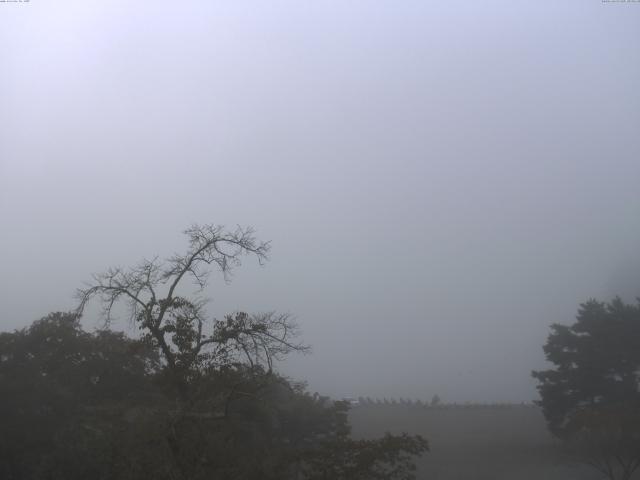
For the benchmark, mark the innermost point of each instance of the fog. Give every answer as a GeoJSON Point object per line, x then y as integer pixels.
{"type": "Point", "coordinates": [440, 181]}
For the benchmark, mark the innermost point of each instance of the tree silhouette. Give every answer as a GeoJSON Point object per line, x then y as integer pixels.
{"type": "Point", "coordinates": [229, 412]}
{"type": "Point", "coordinates": [591, 397]}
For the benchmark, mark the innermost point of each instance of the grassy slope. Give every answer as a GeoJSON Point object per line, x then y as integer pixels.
{"type": "Point", "coordinates": [477, 443]}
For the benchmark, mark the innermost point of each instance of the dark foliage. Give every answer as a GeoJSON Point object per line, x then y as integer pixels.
{"type": "Point", "coordinates": [591, 397]}
{"type": "Point", "coordinates": [191, 399]}
{"type": "Point", "coordinates": [65, 393]}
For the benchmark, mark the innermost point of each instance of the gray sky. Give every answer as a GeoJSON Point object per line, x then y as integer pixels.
{"type": "Point", "coordinates": [440, 180]}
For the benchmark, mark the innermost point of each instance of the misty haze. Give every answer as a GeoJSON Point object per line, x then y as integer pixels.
{"type": "Point", "coordinates": [320, 240]}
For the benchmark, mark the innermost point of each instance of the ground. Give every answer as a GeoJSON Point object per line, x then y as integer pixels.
{"type": "Point", "coordinates": [476, 442]}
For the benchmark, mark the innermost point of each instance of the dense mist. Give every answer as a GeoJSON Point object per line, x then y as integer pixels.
{"type": "Point", "coordinates": [440, 181]}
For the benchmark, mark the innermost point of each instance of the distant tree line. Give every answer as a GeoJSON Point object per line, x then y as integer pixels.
{"type": "Point", "coordinates": [424, 404]}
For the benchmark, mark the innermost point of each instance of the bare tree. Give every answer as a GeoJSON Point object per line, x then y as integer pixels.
{"type": "Point", "coordinates": [176, 324]}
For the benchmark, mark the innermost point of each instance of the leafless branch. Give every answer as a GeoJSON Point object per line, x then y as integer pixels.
{"type": "Point", "coordinates": [176, 324]}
